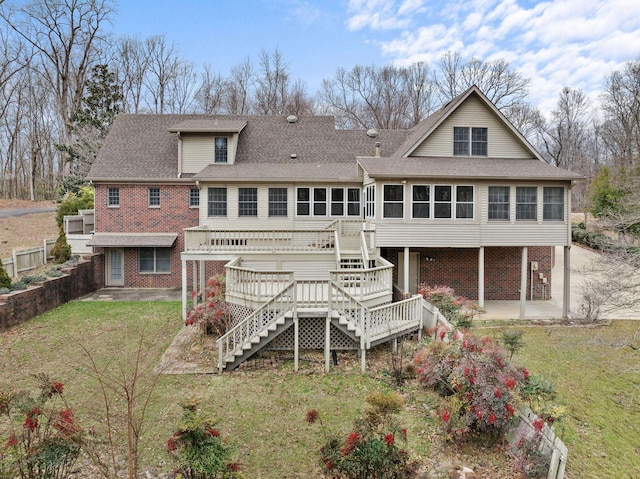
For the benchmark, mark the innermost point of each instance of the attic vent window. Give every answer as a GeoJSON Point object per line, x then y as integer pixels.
{"type": "Point", "coordinates": [292, 118]}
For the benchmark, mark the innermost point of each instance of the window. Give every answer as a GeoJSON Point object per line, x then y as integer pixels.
{"type": "Point", "coordinates": [194, 197]}
{"type": "Point", "coordinates": [220, 149]}
{"type": "Point", "coordinates": [470, 141]}
{"type": "Point", "coordinates": [553, 203]}
{"type": "Point", "coordinates": [478, 141]}
{"type": "Point", "coordinates": [217, 202]}
{"type": "Point", "coordinates": [303, 202]}
{"type": "Point", "coordinates": [442, 201]}
{"type": "Point", "coordinates": [247, 201]}
{"type": "Point", "coordinates": [319, 202]}
{"type": "Point", "coordinates": [499, 203]}
{"type": "Point", "coordinates": [154, 260]}
{"type": "Point", "coordinates": [277, 202]}
{"type": "Point", "coordinates": [154, 197]}
{"type": "Point", "coordinates": [337, 202]}
{"type": "Point", "coordinates": [421, 201]}
{"type": "Point", "coordinates": [370, 201]}
{"type": "Point", "coordinates": [393, 201]}
{"type": "Point", "coordinates": [464, 202]}
{"type": "Point", "coordinates": [113, 197]}
{"type": "Point", "coordinates": [353, 201]}
{"type": "Point", "coordinates": [526, 203]}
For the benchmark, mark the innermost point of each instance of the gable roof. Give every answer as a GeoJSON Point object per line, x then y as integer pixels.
{"type": "Point", "coordinates": [422, 130]}
{"type": "Point", "coordinates": [145, 147]}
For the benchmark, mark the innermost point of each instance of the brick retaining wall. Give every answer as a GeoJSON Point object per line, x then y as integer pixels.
{"type": "Point", "coordinates": [20, 306]}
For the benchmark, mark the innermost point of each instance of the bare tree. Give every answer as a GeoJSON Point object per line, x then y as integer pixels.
{"type": "Point", "coordinates": [208, 99]}
{"type": "Point", "coordinates": [236, 101]}
{"type": "Point", "coordinates": [527, 119]}
{"type": "Point", "coordinates": [565, 136]}
{"type": "Point", "coordinates": [130, 64]}
{"type": "Point", "coordinates": [65, 36]}
{"type": "Point", "coordinates": [504, 86]}
{"type": "Point", "coordinates": [182, 88]}
{"type": "Point", "coordinates": [621, 106]}
{"type": "Point", "coordinates": [272, 84]}
{"type": "Point", "coordinates": [386, 97]}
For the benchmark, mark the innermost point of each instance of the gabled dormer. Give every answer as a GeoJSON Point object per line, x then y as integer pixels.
{"type": "Point", "coordinates": [204, 142]}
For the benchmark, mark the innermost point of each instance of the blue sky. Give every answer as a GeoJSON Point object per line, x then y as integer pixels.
{"type": "Point", "coordinates": [554, 43]}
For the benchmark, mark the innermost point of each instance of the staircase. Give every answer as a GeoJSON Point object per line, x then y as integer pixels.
{"type": "Point", "coordinates": [365, 326]}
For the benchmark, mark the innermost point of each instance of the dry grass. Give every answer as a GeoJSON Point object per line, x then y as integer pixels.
{"type": "Point", "coordinates": [25, 231]}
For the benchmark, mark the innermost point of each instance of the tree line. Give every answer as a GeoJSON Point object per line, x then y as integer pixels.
{"type": "Point", "coordinates": [64, 77]}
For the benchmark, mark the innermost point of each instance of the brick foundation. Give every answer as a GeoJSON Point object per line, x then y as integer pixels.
{"type": "Point", "coordinates": [458, 268]}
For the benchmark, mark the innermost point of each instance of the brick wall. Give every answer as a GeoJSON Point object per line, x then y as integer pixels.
{"type": "Point", "coordinates": [20, 306]}
{"type": "Point", "coordinates": [458, 268]}
{"type": "Point", "coordinates": [135, 216]}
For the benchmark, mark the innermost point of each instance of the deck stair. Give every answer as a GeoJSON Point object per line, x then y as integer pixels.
{"type": "Point", "coordinates": [366, 326]}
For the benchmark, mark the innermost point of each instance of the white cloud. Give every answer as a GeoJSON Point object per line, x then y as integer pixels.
{"type": "Point", "coordinates": [556, 43]}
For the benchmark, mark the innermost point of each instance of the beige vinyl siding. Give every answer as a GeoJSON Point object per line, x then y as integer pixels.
{"type": "Point", "coordinates": [501, 141]}
{"type": "Point", "coordinates": [197, 152]}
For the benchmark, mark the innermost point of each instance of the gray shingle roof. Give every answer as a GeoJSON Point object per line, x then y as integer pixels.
{"type": "Point", "coordinates": [282, 172]}
{"type": "Point", "coordinates": [473, 168]}
{"type": "Point", "coordinates": [142, 147]}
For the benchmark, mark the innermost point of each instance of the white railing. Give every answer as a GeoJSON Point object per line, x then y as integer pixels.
{"type": "Point", "coordinates": [349, 307]}
{"type": "Point", "coordinates": [363, 283]}
{"type": "Point", "coordinates": [254, 285]}
{"type": "Point", "coordinates": [288, 241]}
{"type": "Point", "coordinates": [240, 336]}
{"type": "Point", "coordinates": [433, 320]}
{"type": "Point", "coordinates": [336, 239]}
{"type": "Point", "coordinates": [364, 249]}
{"type": "Point", "coordinates": [345, 227]}
{"type": "Point", "coordinates": [394, 318]}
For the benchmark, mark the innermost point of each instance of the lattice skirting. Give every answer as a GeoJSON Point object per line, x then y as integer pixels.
{"type": "Point", "coordinates": [312, 337]}
{"type": "Point", "coordinates": [239, 313]}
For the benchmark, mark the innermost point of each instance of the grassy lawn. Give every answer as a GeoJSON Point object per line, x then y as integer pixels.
{"type": "Point", "coordinates": [597, 377]}
{"type": "Point", "coordinates": [263, 411]}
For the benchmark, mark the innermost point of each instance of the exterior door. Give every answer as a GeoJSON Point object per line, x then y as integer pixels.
{"type": "Point", "coordinates": [115, 267]}
{"type": "Point", "coordinates": [414, 272]}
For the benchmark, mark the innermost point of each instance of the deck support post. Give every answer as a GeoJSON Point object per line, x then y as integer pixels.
{"type": "Point", "coordinates": [296, 342]}
{"type": "Point", "coordinates": [327, 344]}
{"type": "Point", "coordinates": [203, 279]}
{"type": "Point", "coordinates": [395, 346]}
{"type": "Point", "coordinates": [523, 281]}
{"type": "Point", "coordinates": [194, 282]}
{"type": "Point", "coordinates": [566, 287]}
{"type": "Point", "coordinates": [406, 271]}
{"type": "Point", "coordinates": [184, 289]}
{"type": "Point", "coordinates": [481, 277]}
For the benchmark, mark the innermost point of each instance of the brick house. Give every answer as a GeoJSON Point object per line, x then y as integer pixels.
{"type": "Point", "coordinates": [460, 199]}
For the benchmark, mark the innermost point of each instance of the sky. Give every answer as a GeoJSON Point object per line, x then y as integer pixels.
{"type": "Point", "coordinates": [556, 43]}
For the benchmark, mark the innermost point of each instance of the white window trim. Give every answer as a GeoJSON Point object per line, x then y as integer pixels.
{"type": "Point", "coordinates": [109, 205]}
{"type": "Point", "coordinates": [469, 141]}
{"type": "Point", "coordinates": [155, 260]}
{"type": "Point", "coordinates": [430, 202]}
{"type": "Point", "coordinates": [509, 203]}
{"type": "Point", "coordinates": [402, 202]}
{"type": "Point", "coordinates": [455, 203]}
{"type": "Point", "coordinates": [538, 217]}
{"type": "Point", "coordinates": [564, 205]}
{"type": "Point", "coordinates": [194, 206]}
{"type": "Point", "coordinates": [149, 197]}
{"type": "Point", "coordinates": [285, 202]}
{"type": "Point", "coordinates": [347, 202]}
{"type": "Point", "coordinates": [226, 202]}
{"type": "Point", "coordinates": [369, 201]}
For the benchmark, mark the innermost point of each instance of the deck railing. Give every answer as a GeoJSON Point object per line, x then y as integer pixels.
{"type": "Point", "coordinates": [392, 318]}
{"type": "Point", "coordinates": [201, 239]}
{"type": "Point", "coordinates": [257, 286]}
{"type": "Point", "coordinates": [366, 282]}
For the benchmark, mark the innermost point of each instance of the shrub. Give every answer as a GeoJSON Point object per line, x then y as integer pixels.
{"type": "Point", "coordinates": [36, 278]}
{"type": "Point", "coordinates": [44, 439]}
{"type": "Point", "coordinates": [5, 279]}
{"type": "Point", "coordinates": [212, 315]}
{"type": "Point", "coordinates": [512, 342]}
{"type": "Point", "coordinates": [19, 286]}
{"type": "Point", "coordinates": [371, 449]}
{"type": "Point", "coordinates": [198, 449]}
{"type": "Point", "coordinates": [4, 290]}
{"type": "Point", "coordinates": [480, 386]}
{"type": "Point", "coordinates": [53, 273]}
{"type": "Point", "coordinates": [83, 199]}
{"type": "Point", "coordinates": [61, 251]}
{"type": "Point", "coordinates": [457, 309]}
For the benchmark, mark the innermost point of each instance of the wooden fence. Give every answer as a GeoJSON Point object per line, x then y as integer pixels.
{"type": "Point", "coordinates": [29, 258]}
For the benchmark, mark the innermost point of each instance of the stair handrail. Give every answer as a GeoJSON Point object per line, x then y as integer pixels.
{"type": "Point", "coordinates": [410, 309]}
{"type": "Point", "coordinates": [364, 310]}
{"type": "Point", "coordinates": [336, 238]}
{"type": "Point", "coordinates": [240, 334]}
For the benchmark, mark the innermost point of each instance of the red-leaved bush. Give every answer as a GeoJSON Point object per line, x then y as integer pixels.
{"type": "Point", "coordinates": [481, 387]}
{"type": "Point", "coordinates": [212, 315]}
